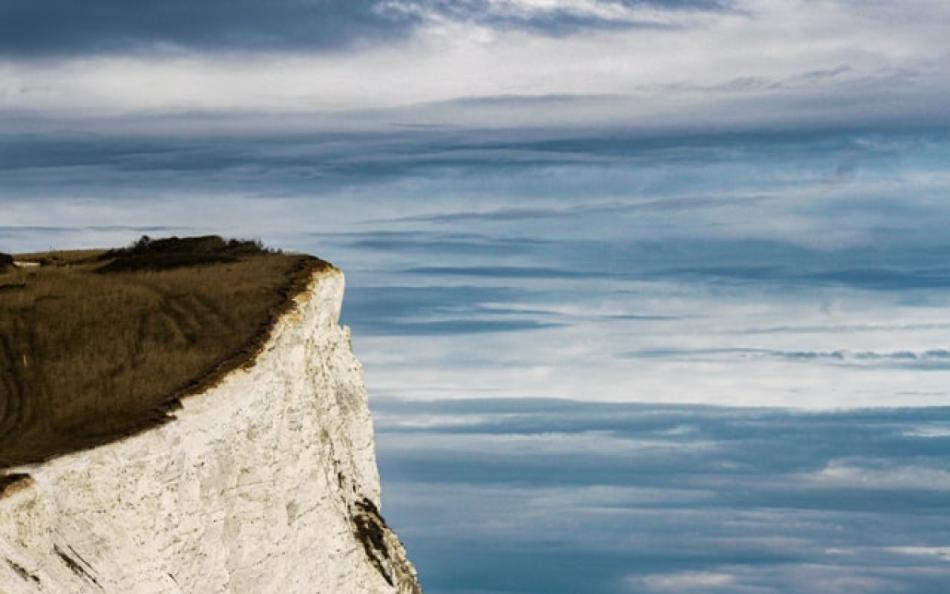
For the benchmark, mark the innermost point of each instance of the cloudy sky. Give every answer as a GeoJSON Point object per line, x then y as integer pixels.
{"type": "Point", "coordinates": [546, 209]}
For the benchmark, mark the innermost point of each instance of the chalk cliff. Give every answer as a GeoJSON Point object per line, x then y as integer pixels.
{"type": "Point", "coordinates": [264, 483]}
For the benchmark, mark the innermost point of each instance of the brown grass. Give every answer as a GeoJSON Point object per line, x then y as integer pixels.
{"type": "Point", "coordinates": [87, 357]}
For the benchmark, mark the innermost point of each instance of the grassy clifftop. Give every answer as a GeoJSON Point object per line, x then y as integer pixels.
{"type": "Point", "coordinates": [95, 345]}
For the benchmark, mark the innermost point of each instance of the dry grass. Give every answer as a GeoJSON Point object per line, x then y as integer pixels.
{"type": "Point", "coordinates": [87, 357]}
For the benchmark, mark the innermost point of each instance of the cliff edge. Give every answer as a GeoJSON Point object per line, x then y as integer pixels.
{"type": "Point", "coordinates": [266, 482]}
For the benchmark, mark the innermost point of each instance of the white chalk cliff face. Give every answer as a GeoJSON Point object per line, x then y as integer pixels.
{"type": "Point", "coordinates": [265, 483]}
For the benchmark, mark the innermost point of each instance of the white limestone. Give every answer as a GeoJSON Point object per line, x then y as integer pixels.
{"type": "Point", "coordinates": [265, 483]}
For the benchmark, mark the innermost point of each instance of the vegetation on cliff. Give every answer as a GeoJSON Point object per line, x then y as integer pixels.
{"type": "Point", "coordinates": [95, 345]}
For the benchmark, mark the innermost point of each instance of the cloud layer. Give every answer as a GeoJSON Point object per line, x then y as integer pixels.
{"type": "Point", "coordinates": [479, 63]}
{"type": "Point", "coordinates": [556, 496]}
{"type": "Point", "coordinates": [796, 268]}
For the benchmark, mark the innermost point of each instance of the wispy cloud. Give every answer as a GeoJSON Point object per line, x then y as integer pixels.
{"type": "Point", "coordinates": [923, 359]}
{"type": "Point", "coordinates": [520, 214]}
{"type": "Point", "coordinates": [940, 552]}
{"type": "Point", "coordinates": [703, 581]}
{"type": "Point", "coordinates": [854, 475]}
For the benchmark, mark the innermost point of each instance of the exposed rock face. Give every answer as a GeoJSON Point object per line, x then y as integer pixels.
{"type": "Point", "coordinates": [266, 483]}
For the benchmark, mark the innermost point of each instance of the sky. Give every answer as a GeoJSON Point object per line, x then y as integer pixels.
{"type": "Point", "coordinates": [574, 497]}
{"type": "Point", "coordinates": [652, 291]}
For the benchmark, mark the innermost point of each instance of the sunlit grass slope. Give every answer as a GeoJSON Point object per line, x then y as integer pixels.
{"type": "Point", "coordinates": [95, 345]}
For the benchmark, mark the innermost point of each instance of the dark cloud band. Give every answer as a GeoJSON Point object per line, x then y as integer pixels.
{"type": "Point", "coordinates": [64, 27]}
{"type": "Point", "coordinates": [56, 27]}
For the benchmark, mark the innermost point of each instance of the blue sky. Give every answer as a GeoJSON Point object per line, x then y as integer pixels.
{"type": "Point", "coordinates": [597, 253]}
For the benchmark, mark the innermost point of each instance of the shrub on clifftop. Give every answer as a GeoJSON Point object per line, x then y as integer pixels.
{"type": "Point", "coordinates": [178, 252]}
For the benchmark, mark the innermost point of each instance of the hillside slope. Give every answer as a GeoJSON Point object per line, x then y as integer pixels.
{"type": "Point", "coordinates": [96, 345]}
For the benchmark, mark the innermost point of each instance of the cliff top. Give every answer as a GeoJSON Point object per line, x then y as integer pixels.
{"type": "Point", "coordinates": [96, 345]}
